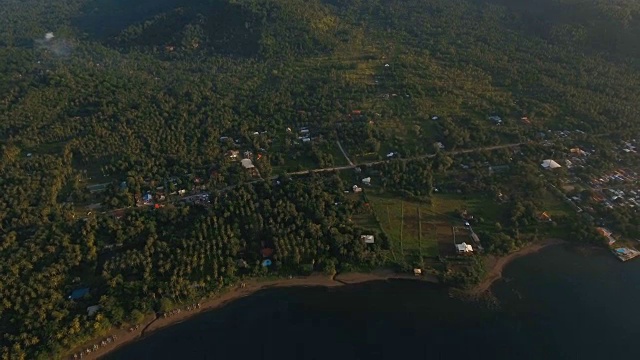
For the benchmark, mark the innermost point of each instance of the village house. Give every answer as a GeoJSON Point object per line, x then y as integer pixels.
{"type": "Point", "coordinates": [544, 217]}
{"type": "Point", "coordinates": [247, 163]}
{"type": "Point", "coordinates": [147, 198]}
{"type": "Point", "coordinates": [368, 239]}
{"type": "Point", "coordinates": [78, 293]}
{"type": "Point", "coordinates": [464, 248]}
{"type": "Point", "coordinates": [550, 164]}
{"type": "Point", "coordinates": [579, 152]}
{"type": "Point", "coordinates": [607, 234]}
{"type": "Point", "coordinates": [233, 154]}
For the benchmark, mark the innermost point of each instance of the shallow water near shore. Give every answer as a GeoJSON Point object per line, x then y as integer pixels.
{"type": "Point", "coordinates": [556, 304]}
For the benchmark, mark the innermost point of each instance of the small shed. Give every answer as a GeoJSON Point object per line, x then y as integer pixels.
{"type": "Point", "coordinates": [368, 239]}
{"type": "Point", "coordinates": [357, 189]}
{"type": "Point", "coordinates": [147, 197]}
{"type": "Point", "coordinates": [366, 181]}
{"type": "Point", "coordinates": [417, 272]}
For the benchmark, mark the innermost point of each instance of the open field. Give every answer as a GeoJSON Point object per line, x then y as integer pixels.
{"type": "Point", "coordinates": [411, 235]}
{"type": "Point", "coordinates": [422, 230]}
{"type": "Point", "coordinates": [554, 206]}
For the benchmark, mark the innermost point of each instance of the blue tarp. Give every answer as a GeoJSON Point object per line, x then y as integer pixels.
{"type": "Point", "coordinates": [266, 263]}
{"type": "Point", "coordinates": [78, 293]}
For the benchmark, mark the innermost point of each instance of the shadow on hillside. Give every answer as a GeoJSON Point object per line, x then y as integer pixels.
{"type": "Point", "coordinates": [600, 27]}
{"type": "Point", "coordinates": [213, 26]}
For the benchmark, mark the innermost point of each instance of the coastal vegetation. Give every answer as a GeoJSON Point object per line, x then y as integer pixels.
{"type": "Point", "coordinates": [154, 152]}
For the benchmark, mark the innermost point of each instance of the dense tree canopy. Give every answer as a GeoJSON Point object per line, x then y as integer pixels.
{"type": "Point", "coordinates": [103, 102]}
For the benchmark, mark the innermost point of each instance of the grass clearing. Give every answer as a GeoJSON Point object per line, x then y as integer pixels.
{"type": "Point", "coordinates": [554, 206]}
{"type": "Point", "coordinates": [410, 234]}
{"type": "Point", "coordinates": [422, 230]}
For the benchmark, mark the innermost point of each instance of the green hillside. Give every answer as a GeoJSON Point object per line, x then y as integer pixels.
{"type": "Point", "coordinates": [106, 102]}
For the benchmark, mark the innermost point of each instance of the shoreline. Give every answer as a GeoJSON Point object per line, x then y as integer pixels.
{"type": "Point", "coordinates": [497, 264]}
{"type": "Point", "coordinates": [251, 286]}
{"type": "Point", "coordinates": [153, 323]}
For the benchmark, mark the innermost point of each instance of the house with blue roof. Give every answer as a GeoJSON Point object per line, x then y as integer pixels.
{"type": "Point", "coordinates": [78, 293]}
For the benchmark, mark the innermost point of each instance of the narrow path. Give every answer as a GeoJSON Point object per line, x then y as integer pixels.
{"type": "Point", "coordinates": [344, 153]}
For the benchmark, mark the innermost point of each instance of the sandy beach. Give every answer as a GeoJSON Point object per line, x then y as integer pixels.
{"type": "Point", "coordinates": [497, 264]}
{"type": "Point", "coordinates": [152, 323]}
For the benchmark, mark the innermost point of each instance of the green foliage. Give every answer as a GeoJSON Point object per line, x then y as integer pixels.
{"type": "Point", "coordinates": [142, 92]}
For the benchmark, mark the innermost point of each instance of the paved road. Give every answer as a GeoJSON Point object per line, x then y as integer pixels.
{"type": "Point", "coordinates": [351, 166]}
{"type": "Point", "coordinates": [456, 152]}
{"type": "Point", "coordinates": [337, 168]}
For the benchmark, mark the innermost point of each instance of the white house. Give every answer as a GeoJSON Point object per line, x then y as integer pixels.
{"type": "Point", "coordinates": [368, 239]}
{"type": "Point", "coordinates": [550, 164]}
{"type": "Point", "coordinates": [247, 163]}
{"type": "Point", "coordinates": [464, 248]}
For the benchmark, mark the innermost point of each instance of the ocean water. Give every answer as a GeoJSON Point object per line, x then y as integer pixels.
{"type": "Point", "coordinates": [557, 304]}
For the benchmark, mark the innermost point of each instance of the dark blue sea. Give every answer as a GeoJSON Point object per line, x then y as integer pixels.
{"type": "Point", "coordinates": [560, 303]}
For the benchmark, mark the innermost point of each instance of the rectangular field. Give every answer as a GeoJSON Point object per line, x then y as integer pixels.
{"type": "Point", "coordinates": [420, 230]}
{"type": "Point", "coordinates": [410, 234]}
